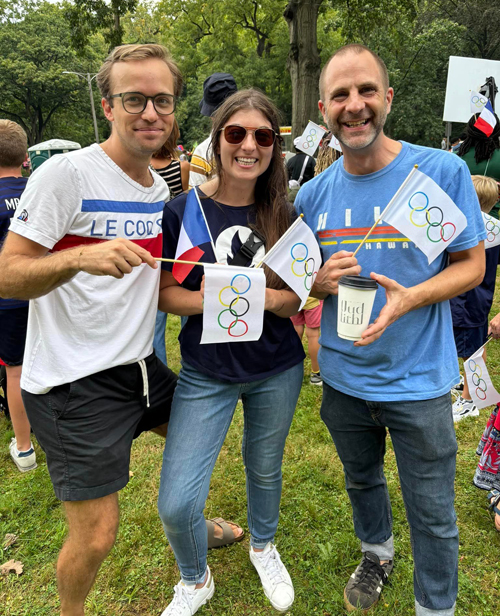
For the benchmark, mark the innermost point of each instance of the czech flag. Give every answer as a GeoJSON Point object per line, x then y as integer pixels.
{"type": "Point", "coordinates": [194, 232]}
{"type": "Point", "coordinates": [486, 121]}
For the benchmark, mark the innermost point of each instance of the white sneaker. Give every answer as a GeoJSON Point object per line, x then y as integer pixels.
{"type": "Point", "coordinates": [463, 408]}
{"type": "Point", "coordinates": [188, 599]}
{"type": "Point", "coordinates": [24, 460]}
{"type": "Point", "coordinates": [275, 579]}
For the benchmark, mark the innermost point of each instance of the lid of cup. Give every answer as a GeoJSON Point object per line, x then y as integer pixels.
{"type": "Point", "coordinates": [358, 282]}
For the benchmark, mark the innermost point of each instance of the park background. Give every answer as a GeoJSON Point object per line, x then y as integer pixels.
{"type": "Point", "coordinates": [275, 45]}
{"type": "Point", "coordinates": [253, 41]}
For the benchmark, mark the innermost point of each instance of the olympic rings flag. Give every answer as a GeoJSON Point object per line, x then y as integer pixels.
{"type": "Point", "coordinates": [477, 102]}
{"type": "Point", "coordinates": [480, 386]}
{"type": "Point", "coordinates": [492, 227]}
{"type": "Point", "coordinates": [296, 258]}
{"type": "Point", "coordinates": [233, 307]}
{"type": "Point", "coordinates": [310, 138]}
{"type": "Point", "coordinates": [425, 214]}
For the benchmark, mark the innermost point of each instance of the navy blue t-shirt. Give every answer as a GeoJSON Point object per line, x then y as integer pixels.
{"type": "Point", "coordinates": [279, 347]}
{"type": "Point", "coordinates": [11, 190]}
{"type": "Point", "coordinates": [471, 309]}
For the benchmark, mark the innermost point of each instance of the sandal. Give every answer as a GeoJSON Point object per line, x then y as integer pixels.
{"type": "Point", "coordinates": [494, 505]}
{"type": "Point", "coordinates": [228, 536]}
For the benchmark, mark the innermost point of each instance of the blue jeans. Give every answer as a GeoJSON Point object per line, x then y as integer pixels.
{"type": "Point", "coordinates": [423, 437]}
{"type": "Point", "coordinates": [201, 414]}
{"type": "Point", "coordinates": [159, 338]}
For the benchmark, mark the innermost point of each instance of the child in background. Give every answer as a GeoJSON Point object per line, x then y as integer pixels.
{"type": "Point", "coordinates": [471, 309]}
{"type": "Point", "coordinates": [310, 319]}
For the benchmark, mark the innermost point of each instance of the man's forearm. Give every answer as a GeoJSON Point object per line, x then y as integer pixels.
{"type": "Point", "coordinates": [457, 278]}
{"type": "Point", "coordinates": [26, 277]}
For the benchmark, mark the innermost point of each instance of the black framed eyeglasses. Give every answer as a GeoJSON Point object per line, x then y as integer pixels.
{"type": "Point", "coordinates": [135, 102]}
{"type": "Point", "coordinates": [235, 134]}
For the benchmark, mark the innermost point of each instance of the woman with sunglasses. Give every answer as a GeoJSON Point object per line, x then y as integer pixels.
{"type": "Point", "coordinates": [247, 194]}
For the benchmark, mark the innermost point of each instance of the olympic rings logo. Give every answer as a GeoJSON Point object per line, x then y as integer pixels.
{"type": "Point", "coordinates": [311, 139]}
{"type": "Point", "coordinates": [493, 230]}
{"type": "Point", "coordinates": [477, 374]}
{"type": "Point", "coordinates": [433, 218]}
{"type": "Point", "coordinates": [235, 306]}
{"type": "Point", "coordinates": [478, 101]}
{"type": "Point", "coordinates": [306, 266]}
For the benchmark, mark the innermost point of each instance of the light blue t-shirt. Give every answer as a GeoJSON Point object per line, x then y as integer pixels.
{"type": "Point", "coordinates": [415, 358]}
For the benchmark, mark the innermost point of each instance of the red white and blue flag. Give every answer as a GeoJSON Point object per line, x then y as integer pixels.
{"type": "Point", "coordinates": [194, 232]}
{"type": "Point", "coordinates": [486, 121]}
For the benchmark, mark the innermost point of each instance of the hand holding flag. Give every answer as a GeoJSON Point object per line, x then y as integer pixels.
{"type": "Point", "coordinates": [480, 386]}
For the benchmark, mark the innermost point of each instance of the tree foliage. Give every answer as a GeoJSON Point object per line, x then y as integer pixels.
{"type": "Point", "coordinates": [36, 49]}
{"type": "Point", "coordinates": [250, 39]}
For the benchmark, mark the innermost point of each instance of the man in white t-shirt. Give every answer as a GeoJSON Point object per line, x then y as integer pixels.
{"type": "Point", "coordinates": [216, 89]}
{"type": "Point", "coordinates": [82, 248]}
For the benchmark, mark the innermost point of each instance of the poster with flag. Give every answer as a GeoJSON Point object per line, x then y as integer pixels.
{"type": "Point", "coordinates": [480, 386]}
{"type": "Point", "coordinates": [486, 121]}
{"type": "Point", "coordinates": [233, 306]}
{"type": "Point", "coordinates": [426, 215]}
{"type": "Point", "coordinates": [477, 102]}
{"type": "Point", "coordinates": [296, 258]}
{"type": "Point", "coordinates": [310, 138]}
{"type": "Point", "coordinates": [492, 228]}
{"type": "Point", "coordinates": [194, 232]}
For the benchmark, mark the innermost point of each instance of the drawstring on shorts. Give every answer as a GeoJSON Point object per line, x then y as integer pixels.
{"type": "Point", "coordinates": [145, 391]}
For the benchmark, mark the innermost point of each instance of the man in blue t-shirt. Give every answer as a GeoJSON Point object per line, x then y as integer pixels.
{"type": "Point", "coordinates": [14, 313]}
{"type": "Point", "coordinates": [399, 375]}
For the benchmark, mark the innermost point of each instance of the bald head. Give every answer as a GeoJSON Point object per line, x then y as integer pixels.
{"type": "Point", "coordinates": [357, 49]}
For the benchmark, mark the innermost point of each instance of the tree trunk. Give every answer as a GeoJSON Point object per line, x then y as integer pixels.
{"type": "Point", "coordinates": [303, 61]}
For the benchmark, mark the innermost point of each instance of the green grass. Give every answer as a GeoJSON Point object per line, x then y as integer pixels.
{"type": "Point", "coordinates": [315, 535]}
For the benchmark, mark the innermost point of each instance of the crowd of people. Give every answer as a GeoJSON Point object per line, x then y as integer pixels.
{"type": "Point", "coordinates": [83, 247]}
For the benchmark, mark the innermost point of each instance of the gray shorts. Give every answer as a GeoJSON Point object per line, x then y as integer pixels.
{"type": "Point", "coordinates": [86, 427]}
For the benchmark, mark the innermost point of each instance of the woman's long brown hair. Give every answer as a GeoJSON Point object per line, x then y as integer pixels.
{"type": "Point", "coordinates": [273, 213]}
{"type": "Point", "coordinates": [169, 148]}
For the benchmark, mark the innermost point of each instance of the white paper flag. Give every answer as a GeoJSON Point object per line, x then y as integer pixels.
{"type": "Point", "coordinates": [296, 258]}
{"type": "Point", "coordinates": [310, 138]}
{"type": "Point", "coordinates": [335, 144]}
{"type": "Point", "coordinates": [477, 102]}
{"type": "Point", "coordinates": [233, 308]}
{"type": "Point", "coordinates": [480, 386]}
{"type": "Point", "coordinates": [492, 227]}
{"type": "Point", "coordinates": [425, 214]}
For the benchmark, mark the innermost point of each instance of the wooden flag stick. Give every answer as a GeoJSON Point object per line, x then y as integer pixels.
{"type": "Point", "coordinates": [398, 192]}
{"type": "Point", "coordinates": [187, 262]}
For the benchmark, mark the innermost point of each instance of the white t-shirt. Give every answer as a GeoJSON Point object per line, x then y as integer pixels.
{"type": "Point", "coordinates": [90, 323]}
{"type": "Point", "coordinates": [201, 159]}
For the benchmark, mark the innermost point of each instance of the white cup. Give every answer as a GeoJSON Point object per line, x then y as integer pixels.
{"type": "Point", "coordinates": [356, 297]}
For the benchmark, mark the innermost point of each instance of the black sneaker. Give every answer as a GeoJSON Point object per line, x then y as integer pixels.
{"type": "Point", "coordinates": [365, 584]}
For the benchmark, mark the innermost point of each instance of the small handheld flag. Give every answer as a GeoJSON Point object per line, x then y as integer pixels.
{"type": "Point", "coordinates": [477, 102]}
{"type": "Point", "coordinates": [194, 232]}
{"type": "Point", "coordinates": [480, 386]}
{"type": "Point", "coordinates": [310, 138]}
{"type": "Point", "coordinates": [233, 308]}
{"type": "Point", "coordinates": [487, 121]}
{"type": "Point", "coordinates": [492, 228]}
{"type": "Point", "coordinates": [296, 258]}
{"type": "Point", "coordinates": [426, 215]}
